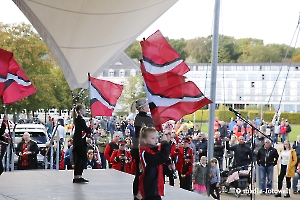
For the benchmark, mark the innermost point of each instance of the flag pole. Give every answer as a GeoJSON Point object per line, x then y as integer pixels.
{"type": "Point", "coordinates": [214, 65]}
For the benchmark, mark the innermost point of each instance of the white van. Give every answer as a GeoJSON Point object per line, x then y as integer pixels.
{"type": "Point", "coordinates": [38, 133]}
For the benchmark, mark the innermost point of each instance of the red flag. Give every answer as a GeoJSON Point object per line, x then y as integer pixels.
{"type": "Point", "coordinates": [103, 96]}
{"type": "Point", "coordinates": [16, 85]}
{"type": "Point", "coordinates": [5, 57]}
{"type": "Point", "coordinates": [169, 95]}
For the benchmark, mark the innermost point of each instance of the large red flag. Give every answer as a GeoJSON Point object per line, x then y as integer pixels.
{"type": "Point", "coordinates": [170, 97]}
{"type": "Point", "coordinates": [16, 85]}
{"type": "Point", "coordinates": [103, 96]}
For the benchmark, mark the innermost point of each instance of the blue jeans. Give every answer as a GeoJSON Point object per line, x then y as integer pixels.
{"type": "Point", "coordinates": [295, 181]}
{"type": "Point", "coordinates": [266, 172]}
{"type": "Point", "coordinates": [103, 161]}
{"type": "Point", "coordinates": [282, 138]}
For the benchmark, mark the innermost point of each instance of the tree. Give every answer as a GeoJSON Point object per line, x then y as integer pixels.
{"type": "Point", "coordinates": [38, 64]}
{"type": "Point", "coordinates": [134, 51]}
{"type": "Point", "coordinates": [133, 89]}
{"type": "Point", "coordinates": [200, 49]}
{"type": "Point", "coordinates": [179, 47]}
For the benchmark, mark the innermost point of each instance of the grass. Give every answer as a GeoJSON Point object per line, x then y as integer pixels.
{"type": "Point", "coordinates": [293, 134]}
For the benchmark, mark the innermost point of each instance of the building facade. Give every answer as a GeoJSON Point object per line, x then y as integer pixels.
{"type": "Point", "coordinates": [238, 84]}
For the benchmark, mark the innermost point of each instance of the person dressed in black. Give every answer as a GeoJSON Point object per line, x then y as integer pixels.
{"type": "Point", "coordinates": [3, 142]}
{"type": "Point", "coordinates": [27, 151]}
{"type": "Point", "coordinates": [79, 143]}
{"type": "Point", "coordinates": [242, 153]}
{"type": "Point", "coordinates": [141, 119]}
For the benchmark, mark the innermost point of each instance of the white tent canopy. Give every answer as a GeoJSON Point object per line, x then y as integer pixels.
{"type": "Point", "coordinates": [83, 35]}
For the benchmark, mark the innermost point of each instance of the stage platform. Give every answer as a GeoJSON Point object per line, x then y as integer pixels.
{"type": "Point", "coordinates": [52, 184]}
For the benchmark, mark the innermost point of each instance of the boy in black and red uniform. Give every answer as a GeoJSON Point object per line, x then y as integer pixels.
{"type": "Point", "coordinates": [180, 152]}
{"type": "Point", "coordinates": [186, 174]}
{"type": "Point", "coordinates": [121, 158]}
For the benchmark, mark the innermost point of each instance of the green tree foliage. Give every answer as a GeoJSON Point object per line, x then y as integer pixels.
{"type": "Point", "coordinates": [134, 51]}
{"type": "Point", "coordinates": [133, 89]}
{"type": "Point", "coordinates": [38, 64]}
{"type": "Point", "coordinates": [231, 50]}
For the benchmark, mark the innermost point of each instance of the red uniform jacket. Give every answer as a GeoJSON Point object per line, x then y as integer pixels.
{"type": "Point", "coordinates": [109, 150]}
{"type": "Point", "coordinates": [180, 153]}
{"type": "Point", "coordinates": [187, 169]}
{"type": "Point", "coordinates": [121, 165]}
{"type": "Point", "coordinates": [151, 181]}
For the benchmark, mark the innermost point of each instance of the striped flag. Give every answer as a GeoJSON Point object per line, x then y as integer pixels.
{"type": "Point", "coordinates": [103, 96]}
{"type": "Point", "coordinates": [14, 85]}
{"type": "Point", "coordinates": [170, 97]}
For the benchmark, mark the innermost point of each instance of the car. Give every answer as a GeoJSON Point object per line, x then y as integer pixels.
{"type": "Point", "coordinates": [38, 134]}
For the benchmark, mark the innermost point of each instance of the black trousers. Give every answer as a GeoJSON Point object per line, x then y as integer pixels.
{"type": "Point", "coordinates": [281, 176]}
{"type": "Point", "coordinates": [186, 183]}
{"type": "Point", "coordinates": [171, 179]}
{"type": "Point", "coordinates": [213, 189]}
{"type": "Point", "coordinates": [1, 167]}
{"type": "Point", "coordinates": [153, 198]}
{"type": "Point", "coordinates": [80, 158]}
{"type": "Point", "coordinates": [135, 188]}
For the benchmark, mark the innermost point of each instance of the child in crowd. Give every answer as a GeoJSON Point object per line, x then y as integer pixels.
{"type": "Point", "coordinates": [199, 177]}
{"type": "Point", "coordinates": [186, 175]}
{"type": "Point", "coordinates": [102, 141]}
{"type": "Point", "coordinates": [152, 158]}
{"type": "Point", "coordinates": [68, 157]}
{"type": "Point", "coordinates": [214, 178]}
{"type": "Point", "coordinates": [91, 162]}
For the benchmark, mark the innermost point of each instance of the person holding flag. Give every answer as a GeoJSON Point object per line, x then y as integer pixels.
{"type": "Point", "coordinates": [79, 143]}
{"type": "Point", "coordinates": [3, 140]}
{"type": "Point", "coordinates": [142, 119]}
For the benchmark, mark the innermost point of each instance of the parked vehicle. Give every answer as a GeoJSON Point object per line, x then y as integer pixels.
{"type": "Point", "coordinates": [37, 133]}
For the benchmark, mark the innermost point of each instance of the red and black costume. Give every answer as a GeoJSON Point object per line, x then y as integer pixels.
{"type": "Point", "coordinates": [3, 146]}
{"type": "Point", "coordinates": [151, 181]}
{"type": "Point", "coordinates": [187, 170]}
{"type": "Point", "coordinates": [141, 119]}
{"type": "Point", "coordinates": [181, 153]}
{"type": "Point", "coordinates": [80, 145]}
{"type": "Point", "coordinates": [27, 161]}
{"type": "Point", "coordinates": [172, 159]}
{"type": "Point", "coordinates": [121, 164]}
{"type": "Point", "coordinates": [109, 149]}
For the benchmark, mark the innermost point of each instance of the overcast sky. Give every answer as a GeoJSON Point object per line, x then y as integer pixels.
{"type": "Point", "coordinates": [274, 21]}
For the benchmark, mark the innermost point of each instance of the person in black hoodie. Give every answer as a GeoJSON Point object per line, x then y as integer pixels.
{"type": "Point", "coordinates": [142, 119]}
{"type": "Point", "coordinates": [219, 149]}
{"type": "Point", "coordinates": [79, 143]}
{"type": "Point", "coordinates": [242, 153]}
{"type": "Point", "coordinates": [266, 158]}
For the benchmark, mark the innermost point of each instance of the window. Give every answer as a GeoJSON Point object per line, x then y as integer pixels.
{"type": "Point", "coordinates": [287, 92]}
{"type": "Point", "coordinates": [122, 73]}
{"type": "Point", "coordinates": [252, 84]}
{"type": "Point", "coordinates": [262, 77]}
{"type": "Point", "coordinates": [132, 72]}
{"type": "Point", "coordinates": [263, 84]}
{"type": "Point", "coordinates": [111, 73]}
{"type": "Point", "coordinates": [288, 85]}
{"type": "Point", "coordinates": [252, 98]}
{"type": "Point", "coordinates": [287, 98]}
{"type": "Point", "coordinates": [252, 92]}
{"type": "Point", "coordinates": [230, 84]}
{"type": "Point", "coordinates": [263, 92]}
{"type": "Point", "coordinates": [240, 84]}
{"type": "Point", "coordinates": [229, 91]}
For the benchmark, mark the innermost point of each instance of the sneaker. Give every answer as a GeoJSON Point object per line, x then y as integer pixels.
{"type": "Point", "coordinates": [295, 192]}
{"type": "Point", "coordinates": [83, 180]}
{"type": "Point", "coordinates": [287, 195]}
{"type": "Point", "coordinates": [75, 180]}
{"type": "Point", "coordinates": [278, 194]}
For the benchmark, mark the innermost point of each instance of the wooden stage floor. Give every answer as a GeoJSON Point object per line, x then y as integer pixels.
{"type": "Point", "coordinates": [52, 184]}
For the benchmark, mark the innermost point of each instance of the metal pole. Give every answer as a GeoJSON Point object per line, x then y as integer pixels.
{"type": "Point", "coordinates": [214, 65]}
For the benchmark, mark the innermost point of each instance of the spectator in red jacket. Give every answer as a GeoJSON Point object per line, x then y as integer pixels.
{"type": "Point", "coordinates": [186, 174]}
{"type": "Point", "coordinates": [121, 158]}
{"type": "Point", "coordinates": [113, 145]}
{"type": "Point", "coordinates": [180, 152]}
